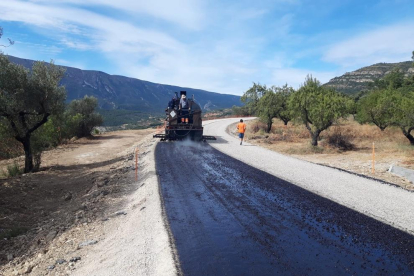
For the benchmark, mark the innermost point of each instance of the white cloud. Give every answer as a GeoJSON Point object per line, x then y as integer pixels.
{"type": "Point", "coordinates": [387, 44]}
{"type": "Point", "coordinates": [216, 60]}
{"type": "Point", "coordinates": [186, 13]}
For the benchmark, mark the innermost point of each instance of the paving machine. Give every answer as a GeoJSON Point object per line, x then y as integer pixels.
{"type": "Point", "coordinates": [182, 123]}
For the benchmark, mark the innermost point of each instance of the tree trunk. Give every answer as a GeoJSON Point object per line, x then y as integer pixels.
{"type": "Point", "coordinates": [408, 135]}
{"type": "Point", "coordinates": [314, 135]}
{"type": "Point", "coordinates": [269, 127]}
{"type": "Point", "coordinates": [28, 162]}
{"type": "Point", "coordinates": [314, 139]}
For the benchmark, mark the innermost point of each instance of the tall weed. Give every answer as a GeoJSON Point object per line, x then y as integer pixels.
{"type": "Point", "coordinates": [14, 170]}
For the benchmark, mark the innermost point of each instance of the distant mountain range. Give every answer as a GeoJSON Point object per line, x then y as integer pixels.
{"type": "Point", "coordinates": [353, 82]}
{"type": "Point", "coordinates": [127, 100]}
{"type": "Point", "coordinates": [123, 93]}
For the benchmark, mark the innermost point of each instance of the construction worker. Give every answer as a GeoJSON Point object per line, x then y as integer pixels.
{"type": "Point", "coordinates": [241, 128]}
{"type": "Point", "coordinates": [185, 108]}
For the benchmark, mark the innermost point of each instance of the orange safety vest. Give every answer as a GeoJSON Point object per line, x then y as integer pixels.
{"type": "Point", "coordinates": [241, 127]}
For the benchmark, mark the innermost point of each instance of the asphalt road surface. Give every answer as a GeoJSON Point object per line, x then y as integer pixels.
{"type": "Point", "coordinates": [229, 218]}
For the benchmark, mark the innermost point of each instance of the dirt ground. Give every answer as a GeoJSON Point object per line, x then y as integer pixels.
{"type": "Point", "coordinates": [46, 216]}
{"type": "Point", "coordinates": [390, 148]}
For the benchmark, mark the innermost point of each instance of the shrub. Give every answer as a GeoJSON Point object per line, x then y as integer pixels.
{"type": "Point", "coordinates": [13, 232]}
{"type": "Point", "coordinates": [13, 169]}
{"type": "Point", "coordinates": [339, 140]}
{"type": "Point", "coordinates": [82, 116]}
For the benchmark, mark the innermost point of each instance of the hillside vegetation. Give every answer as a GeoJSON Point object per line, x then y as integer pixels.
{"type": "Point", "coordinates": [33, 114]}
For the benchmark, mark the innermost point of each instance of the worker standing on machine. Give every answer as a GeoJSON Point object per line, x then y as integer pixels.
{"type": "Point", "coordinates": [185, 108]}
{"type": "Point", "coordinates": [241, 128]}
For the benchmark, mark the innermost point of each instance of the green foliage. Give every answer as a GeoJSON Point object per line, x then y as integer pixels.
{"type": "Point", "coordinates": [267, 108]}
{"type": "Point", "coordinates": [28, 99]}
{"type": "Point", "coordinates": [13, 170]}
{"type": "Point", "coordinates": [9, 146]}
{"type": "Point", "coordinates": [392, 80]}
{"type": "Point", "coordinates": [82, 116]}
{"type": "Point", "coordinates": [403, 115]}
{"type": "Point", "coordinates": [317, 107]}
{"type": "Point", "coordinates": [252, 96]}
{"type": "Point", "coordinates": [392, 103]}
{"type": "Point", "coordinates": [241, 110]}
{"type": "Point", "coordinates": [282, 97]}
{"type": "Point", "coordinates": [377, 108]}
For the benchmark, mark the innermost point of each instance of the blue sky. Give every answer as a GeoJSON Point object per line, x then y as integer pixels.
{"type": "Point", "coordinates": [220, 46]}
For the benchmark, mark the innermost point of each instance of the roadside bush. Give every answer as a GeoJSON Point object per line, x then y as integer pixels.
{"type": "Point", "coordinates": [255, 128]}
{"type": "Point", "coordinates": [14, 170]}
{"type": "Point", "coordinates": [9, 146]}
{"type": "Point", "coordinates": [339, 140]}
{"type": "Point", "coordinates": [45, 137]}
{"type": "Point", "coordinates": [82, 118]}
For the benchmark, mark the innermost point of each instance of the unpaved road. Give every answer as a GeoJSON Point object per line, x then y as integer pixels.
{"type": "Point", "coordinates": [232, 218]}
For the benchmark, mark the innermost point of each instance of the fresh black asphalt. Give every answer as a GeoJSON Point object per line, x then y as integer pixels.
{"type": "Point", "coordinates": [228, 218]}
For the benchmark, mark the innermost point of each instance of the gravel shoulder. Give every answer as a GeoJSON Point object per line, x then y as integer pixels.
{"type": "Point", "coordinates": [85, 214]}
{"type": "Point", "coordinates": [138, 244]}
{"type": "Point", "coordinates": [389, 204]}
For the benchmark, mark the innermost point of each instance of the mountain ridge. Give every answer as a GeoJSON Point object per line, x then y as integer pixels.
{"type": "Point", "coordinates": [360, 79]}
{"type": "Point", "coordinates": [126, 93]}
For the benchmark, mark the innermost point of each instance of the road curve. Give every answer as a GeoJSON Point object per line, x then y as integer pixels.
{"type": "Point", "coordinates": [229, 218]}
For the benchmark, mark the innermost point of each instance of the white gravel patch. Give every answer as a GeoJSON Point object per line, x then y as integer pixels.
{"type": "Point", "coordinates": [386, 203]}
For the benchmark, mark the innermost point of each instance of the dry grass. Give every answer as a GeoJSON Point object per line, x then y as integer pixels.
{"type": "Point", "coordinates": [391, 147]}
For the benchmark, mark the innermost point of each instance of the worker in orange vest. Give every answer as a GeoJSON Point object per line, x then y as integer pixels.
{"type": "Point", "coordinates": [241, 128]}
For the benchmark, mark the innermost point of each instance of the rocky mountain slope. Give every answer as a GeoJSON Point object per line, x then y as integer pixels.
{"type": "Point", "coordinates": [123, 93]}
{"type": "Point", "coordinates": [353, 82]}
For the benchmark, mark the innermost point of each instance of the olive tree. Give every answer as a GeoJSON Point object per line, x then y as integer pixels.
{"type": "Point", "coordinates": [28, 99]}
{"type": "Point", "coordinates": [282, 94]}
{"type": "Point", "coordinates": [317, 107]}
{"type": "Point", "coordinates": [267, 109]}
{"type": "Point", "coordinates": [377, 108]}
{"type": "Point", "coordinates": [252, 96]}
{"type": "Point", "coordinates": [404, 106]}
{"type": "Point", "coordinates": [404, 115]}
{"type": "Point", "coordinates": [82, 116]}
